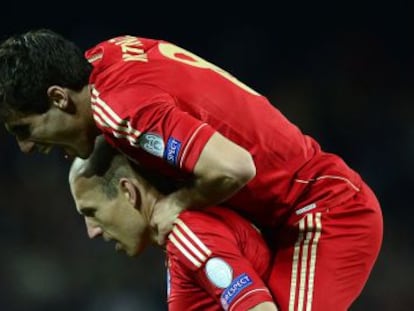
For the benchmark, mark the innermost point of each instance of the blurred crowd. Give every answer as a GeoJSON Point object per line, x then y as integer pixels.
{"type": "Point", "coordinates": [351, 89]}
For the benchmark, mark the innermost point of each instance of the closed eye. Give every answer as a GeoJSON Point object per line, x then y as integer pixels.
{"type": "Point", "coordinates": [21, 131]}
{"type": "Point", "coordinates": [87, 211]}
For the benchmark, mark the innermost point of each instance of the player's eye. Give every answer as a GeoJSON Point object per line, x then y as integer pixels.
{"type": "Point", "coordinates": [21, 131]}
{"type": "Point", "coordinates": [88, 211]}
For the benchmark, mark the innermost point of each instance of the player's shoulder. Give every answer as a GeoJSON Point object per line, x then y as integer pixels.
{"type": "Point", "coordinates": [201, 222]}
{"type": "Point", "coordinates": [119, 52]}
{"type": "Point", "coordinates": [196, 236]}
{"type": "Point", "coordinates": [125, 100]}
{"type": "Point", "coordinates": [116, 46]}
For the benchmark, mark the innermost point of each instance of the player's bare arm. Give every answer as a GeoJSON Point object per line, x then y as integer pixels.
{"type": "Point", "coordinates": [222, 169]}
{"type": "Point", "coordinates": [265, 306]}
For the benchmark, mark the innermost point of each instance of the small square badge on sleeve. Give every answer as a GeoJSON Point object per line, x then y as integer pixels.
{"type": "Point", "coordinates": [234, 289]}
{"type": "Point", "coordinates": [172, 151]}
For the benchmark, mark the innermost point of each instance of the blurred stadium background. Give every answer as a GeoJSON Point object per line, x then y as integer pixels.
{"type": "Point", "coordinates": [342, 72]}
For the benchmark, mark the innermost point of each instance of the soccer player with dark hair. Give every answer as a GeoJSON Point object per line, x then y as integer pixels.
{"type": "Point", "coordinates": [173, 112]}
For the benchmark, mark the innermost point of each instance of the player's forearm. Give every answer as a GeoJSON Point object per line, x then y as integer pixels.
{"type": "Point", "coordinates": [205, 192]}
{"type": "Point", "coordinates": [264, 306]}
{"type": "Point", "coordinates": [222, 169]}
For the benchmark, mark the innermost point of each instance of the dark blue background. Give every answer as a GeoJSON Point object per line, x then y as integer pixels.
{"type": "Point", "coordinates": [342, 72]}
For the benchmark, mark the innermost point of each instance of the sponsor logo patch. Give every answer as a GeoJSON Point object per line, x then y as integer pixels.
{"type": "Point", "coordinates": [172, 151]}
{"type": "Point", "coordinates": [234, 289]}
{"type": "Point", "coordinates": [152, 143]}
{"type": "Point", "coordinates": [219, 272]}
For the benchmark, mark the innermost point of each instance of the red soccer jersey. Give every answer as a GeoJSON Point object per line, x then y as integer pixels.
{"type": "Point", "coordinates": [159, 104]}
{"type": "Point", "coordinates": [218, 269]}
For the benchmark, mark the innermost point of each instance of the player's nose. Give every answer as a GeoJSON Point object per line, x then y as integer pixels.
{"type": "Point", "coordinates": [25, 145]}
{"type": "Point", "coordinates": [93, 232]}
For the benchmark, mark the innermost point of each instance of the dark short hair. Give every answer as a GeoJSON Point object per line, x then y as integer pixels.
{"type": "Point", "coordinates": [110, 166]}
{"type": "Point", "coordinates": [107, 164]}
{"type": "Point", "coordinates": [33, 61]}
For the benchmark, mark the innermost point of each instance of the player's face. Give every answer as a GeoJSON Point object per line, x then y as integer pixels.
{"type": "Point", "coordinates": [114, 219]}
{"type": "Point", "coordinates": [54, 128]}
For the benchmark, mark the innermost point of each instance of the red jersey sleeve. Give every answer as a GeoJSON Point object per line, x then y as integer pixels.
{"type": "Point", "coordinates": [141, 119]}
{"type": "Point", "coordinates": [212, 269]}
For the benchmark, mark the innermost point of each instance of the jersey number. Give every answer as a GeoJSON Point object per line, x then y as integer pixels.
{"type": "Point", "coordinates": [171, 51]}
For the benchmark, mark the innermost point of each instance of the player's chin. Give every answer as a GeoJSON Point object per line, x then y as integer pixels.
{"type": "Point", "coordinates": [70, 153]}
{"type": "Point", "coordinates": [132, 253]}
{"type": "Point", "coordinates": [129, 251]}
{"type": "Point", "coordinates": [82, 151]}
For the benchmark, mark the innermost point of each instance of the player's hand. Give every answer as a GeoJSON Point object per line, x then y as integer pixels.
{"type": "Point", "coordinates": [164, 214]}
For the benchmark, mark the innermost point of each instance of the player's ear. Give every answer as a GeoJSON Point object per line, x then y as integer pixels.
{"type": "Point", "coordinates": [130, 192]}
{"type": "Point", "coordinates": [58, 97]}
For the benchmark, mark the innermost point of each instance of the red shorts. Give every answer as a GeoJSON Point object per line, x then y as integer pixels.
{"type": "Point", "coordinates": [326, 252]}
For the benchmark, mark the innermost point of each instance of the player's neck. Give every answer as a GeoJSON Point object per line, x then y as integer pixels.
{"type": "Point", "coordinates": [149, 197]}
{"type": "Point", "coordinates": [82, 100]}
